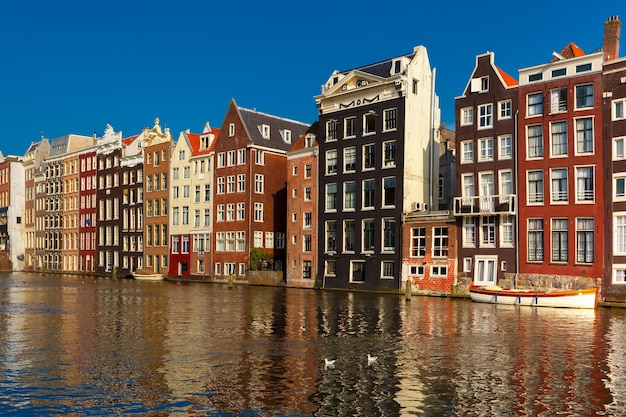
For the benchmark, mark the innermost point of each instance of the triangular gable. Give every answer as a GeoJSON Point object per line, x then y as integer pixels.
{"type": "Point", "coordinates": [570, 51]}
{"type": "Point", "coordinates": [505, 79]}
{"type": "Point", "coordinates": [353, 80]}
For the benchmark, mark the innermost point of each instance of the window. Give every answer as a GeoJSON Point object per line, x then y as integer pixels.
{"type": "Point", "coordinates": [331, 197]}
{"type": "Point", "coordinates": [488, 231]}
{"type": "Point", "coordinates": [349, 235]}
{"type": "Point", "coordinates": [331, 130]}
{"type": "Point", "coordinates": [186, 215]}
{"type": "Point", "coordinates": [349, 195]}
{"type": "Point", "coordinates": [584, 135]}
{"type": "Point", "coordinates": [306, 244]}
{"type": "Point", "coordinates": [506, 238]}
{"type": "Point", "coordinates": [584, 240]}
{"type": "Point", "coordinates": [241, 183]}
{"type": "Point", "coordinates": [368, 235]}
{"type": "Point", "coordinates": [558, 138]}
{"type": "Point", "coordinates": [331, 236]}
{"type": "Point", "coordinates": [618, 149]}
{"type": "Point", "coordinates": [618, 109]}
{"type": "Point", "coordinates": [357, 271]}
{"type": "Point", "coordinates": [258, 212]}
{"type": "Point", "coordinates": [369, 156]}
{"type": "Point", "coordinates": [230, 184]}
{"type": "Point", "coordinates": [418, 242]}
{"type": "Point", "coordinates": [330, 268]}
{"type": "Point", "coordinates": [535, 240]}
{"type": "Point", "coordinates": [486, 149]}
{"type": "Point", "coordinates": [369, 122]}
{"type": "Point", "coordinates": [559, 240]}
{"type": "Point", "coordinates": [534, 138]}
{"type": "Point", "coordinates": [349, 159]}
{"type": "Point", "coordinates": [220, 241]}
{"type": "Point", "coordinates": [440, 241]}
{"type": "Point", "coordinates": [389, 191]}
{"type": "Point", "coordinates": [306, 269]}
{"type": "Point", "coordinates": [506, 185]}
{"type": "Point", "coordinates": [535, 186]}
{"type": "Point", "coordinates": [307, 171]}
{"type": "Point", "coordinates": [467, 264]}
{"type": "Point", "coordinates": [584, 184]}
{"type": "Point", "coordinates": [307, 193]}
{"type": "Point", "coordinates": [467, 151]}
{"type": "Point", "coordinates": [259, 181]}
{"type": "Point", "coordinates": [485, 115]}
{"type": "Point", "coordinates": [438, 271]}
{"type": "Point", "coordinates": [390, 119]}
{"type": "Point", "coordinates": [308, 220]}
{"type": "Point", "coordinates": [467, 116]}
{"type": "Point", "coordinates": [558, 100]}
{"type": "Point", "coordinates": [619, 234]}
{"type": "Point", "coordinates": [269, 239]}
{"type": "Point", "coordinates": [469, 232]}
{"type": "Point", "coordinates": [258, 239]}
{"type": "Point", "coordinates": [221, 185]}
{"type": "Point", "coordinates": [505, 109]}
{"type": "Point", "coordinates": [619, 274]}
{"type": "Point", "coordinates": [389, 152]}
{"type": "Point", "coordinates": [535, 104]}
{"type": "Point", "coordinates": [230, 212]}
{"type": "Point", "coordinates": [331, 162]}
{"type": "Point", "coordinates": [349, 130]}
{"type": "Point", "coordinates": [619, 187]}
{"type": "Point", "coordinates": [584, 96]}
{"type": "Point", "coordinates": [259, 157]}
{"type": "Point", "coordinates": [369, 187]}
{"type": "Point", "coordinates": [386, 269]}
{"type": "Point", "coordinates": [389, 235]}
{"type": "Point", "coordinates": [505, 150]}
{"type": "Point", "coordinates": [241, 157]}
{"type": "Point", "coordinates": [231, 129]}
{"type": "Point", "coordinates": [558, 182]}
{"type": "Point", "coordinates": [265, 131]}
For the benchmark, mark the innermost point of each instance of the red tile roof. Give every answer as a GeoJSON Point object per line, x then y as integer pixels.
{"type": "Point", "coordinates": [570, 51]}
{"type": "Point", "coordinates": [508, 80]}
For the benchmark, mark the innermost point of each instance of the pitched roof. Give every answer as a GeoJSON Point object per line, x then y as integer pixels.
{"type": "Point", "coordinates": [254, 121]}
{"type": "Point", "coordinates": [300, 143]}
{"type": "Point", "coordinates": [508, 80]}
{"type": "Point", "coordinates": [570, 51]}
{"type": "Point", "coordinates": [380, 69]}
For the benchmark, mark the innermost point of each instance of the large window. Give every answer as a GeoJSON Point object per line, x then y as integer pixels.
{"type": "Point", "coordinates": [440, 241]}
{"type": "Point", "coordinates": [485, 116]}
{"type": "Point", "coordinates": [368, 235]}
{"type": "Point", "coordinates": [535, 186]}
{"type": "Point", "coordinates": [505, 150]}
{"type": "Point", "coordinates": [559, 240]}
{"type": "Point", "coordinates": [331, 236]}
{"type": "Point", "coordinates": [349, 127]}
{"type": "Point", "coordinates": [369, 187]}
{"type": "Point", "coordinates": [535, 104]}
{"type": "Point", "coordinates": [488, 231]}
{"type": "Point", "coordinates": [389, 191]}
{"type": "Point", "coordinates": [390, 119]}
{"type": "Point", "coordinates": [331, 161]}
{"type": "Point", "coordinates": [558, 138]}
{"type": "Point", "coordinates": [505, 109]}
{"type": "Point", "coordinates": [369, 154]}
{"type": "Point", "coordinates": [584, 184]}
{"type": "Point", "coordinates": [389, 152]}
{"type": "Point", "coordinates": [485, 149]}
{"type": "Point", "coordinates": [467, 116]}
{"type": "Point", "coordinates": [369, 122]}
{"type": "Point", "coordinates": [349, 235]}
{"type": "Point", "coordinates": [558, 100]}
{"type": "Point", "coordinates": [619, 234]}
{"type": "Point", "coordinates": [506, 226]}
{"type": "Point", "coordinates": [584, 240]}
{"type": "Point", "coordinates": [389, 234]}
{"type": "Point", "coordinates": [469, 232]}
{"type": "Point", "coordinates": [584, 135]}
{"type": "Point", "coordinates": [349, 195]}
{"type": "Point", "coordinates": [534, 141]}
{"type": "Point", "coordinates": [535, 240]}
{"type": "Point", "coordinates": [349, 159]}
{"type": "Point", "coordinates": [331, 130]}
{"type": "Point", "coordinates": [331, 197]}
{"type": "Point", "coordinates": [467, 151]}
{"type": "Point", "coordinates": [584, 96]}
{"type": "Point", "coordinates": [558, 180]}
{"type": "Point", "coordinates": [418, 242]}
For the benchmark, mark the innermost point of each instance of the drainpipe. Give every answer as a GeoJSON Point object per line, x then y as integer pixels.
{"type": "Point", "coordinates": [516, 205]}
{"type": "Point", "coordinates": [432, 141]}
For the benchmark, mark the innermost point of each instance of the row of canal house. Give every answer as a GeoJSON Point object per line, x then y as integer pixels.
{"type": "Point", "coordinates": [540, 185]}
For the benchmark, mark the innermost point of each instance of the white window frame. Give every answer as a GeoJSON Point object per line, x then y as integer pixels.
{"type": "Point", "coordinates": [505, 147]}
{"type": "Point", "coordinates": [619, 151]}
{"type": "Point", "coordinates": [485, 116]}
{"type": "Point", "coordinates": [505, 109]}
{"type": "Point", "coordinates": [582, 194]}
{"type": "Point", "coordinates": [467, 152]}
{"type": "Point", "coordinates": [618, 109]}
{"type": "Point", "coordinates": [467, 116]}
{"type": "Point", "coordinates": [485, 149]}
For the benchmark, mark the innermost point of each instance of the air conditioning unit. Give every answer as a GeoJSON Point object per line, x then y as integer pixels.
{"type": "Point", "coordinates": [415, 206]}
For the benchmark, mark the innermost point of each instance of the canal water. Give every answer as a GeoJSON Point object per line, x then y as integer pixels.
{"type": "Point", "coordinates": [84, 346]}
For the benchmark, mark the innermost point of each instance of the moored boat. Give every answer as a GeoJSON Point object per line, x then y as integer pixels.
{"type": "Point", "coordinates": [582, 298]}
{"type": "Point", "coordinates": [148, 275]}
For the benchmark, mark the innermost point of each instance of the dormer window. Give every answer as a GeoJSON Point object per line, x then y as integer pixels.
{"type": "Point", "coordinates": [265, 131]}
{"type": "Point", "coordinates": [286, 134]}
{"type": "Point", "coordinates": [308, 140]}
{"type": "Point", "coordinates": [396, 67]}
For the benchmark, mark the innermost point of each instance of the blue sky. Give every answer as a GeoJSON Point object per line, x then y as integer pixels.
{"type": "Point", "coordinates": [70, 66]}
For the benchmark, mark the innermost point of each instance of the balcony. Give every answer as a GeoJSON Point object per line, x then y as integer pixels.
{"type": "Point", "coordinates": [485, 205]}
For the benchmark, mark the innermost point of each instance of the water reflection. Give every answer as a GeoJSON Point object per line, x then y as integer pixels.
{"type": "Point", "coordinates": [74, 346]}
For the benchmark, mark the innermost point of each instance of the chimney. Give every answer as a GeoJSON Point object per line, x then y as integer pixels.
{"type": "Point", "coordinates": [612, 29]}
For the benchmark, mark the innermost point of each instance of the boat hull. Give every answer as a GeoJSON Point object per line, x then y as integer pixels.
{"type": "Point", "coordinates": [584, 298]}
{"type": "Point", "coordinates": [148, 277]}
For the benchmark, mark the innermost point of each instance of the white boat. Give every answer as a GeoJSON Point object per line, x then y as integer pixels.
{"type": "Point", "coordinates": [148, 275]}
{"type": "Point", "coordinates": [583, 298]}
